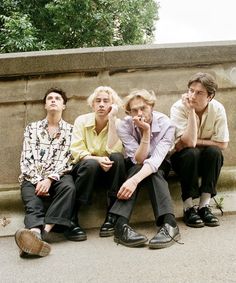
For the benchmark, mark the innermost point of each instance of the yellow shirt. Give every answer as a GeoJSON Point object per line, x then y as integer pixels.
{"type": "Point", "coordinates": [85, 140]}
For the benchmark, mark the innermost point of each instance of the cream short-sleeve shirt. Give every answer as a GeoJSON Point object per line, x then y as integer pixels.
{"type": "Point", "coordinates": [213, 125]}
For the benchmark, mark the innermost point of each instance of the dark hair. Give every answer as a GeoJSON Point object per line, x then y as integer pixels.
{"type": "Point", "coordinates": [57, 90]}
{"type": "Point", "coordinates": [207, 80]}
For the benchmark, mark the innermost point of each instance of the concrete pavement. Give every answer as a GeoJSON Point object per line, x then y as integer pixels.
{"type": "Point", "coordinates": [207, 255]}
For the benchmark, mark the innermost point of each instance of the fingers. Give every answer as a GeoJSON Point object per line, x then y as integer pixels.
{"type": "Point", "coordinates": [41, 189]}
{"type": "Point", "coordinates": [124, 193]}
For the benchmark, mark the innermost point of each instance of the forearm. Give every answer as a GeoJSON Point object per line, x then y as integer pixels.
{"type": "Point", "coordinates": [145, 171]}
{"type": "Point", "coordinates": [144, 147]}
{"type": "Point", "coordinates": [189, 136]}
{"type": "Point", "coordinates": [112, 134]}
{"type": "Point", "coordinates": [204, 142]}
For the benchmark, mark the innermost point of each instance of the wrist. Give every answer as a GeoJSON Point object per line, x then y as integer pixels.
{"type": "Point", "coordinates": [145, 141]}
{"type": "Point", "coordinates": [50, 179]}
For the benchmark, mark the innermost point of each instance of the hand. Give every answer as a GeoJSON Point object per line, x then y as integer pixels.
{"type": "Point", "coordinates": [113, 111]}
{"type": "Point", "coordinates": [105, 163]}
{"type": "Point", "coordinates": [127, 189]}
{"type": "Point", "coordinates": [43, 187]}
{"type": "Point", "coordinates": [186, 101]}
{"type": "Point", "coordinates": [140, 123]}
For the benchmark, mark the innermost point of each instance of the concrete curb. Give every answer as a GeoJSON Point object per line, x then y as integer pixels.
{"type": "Point", "coordinates": [12, 210]}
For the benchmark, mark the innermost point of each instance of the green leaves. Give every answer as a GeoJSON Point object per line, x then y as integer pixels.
{"type": "Point", "coordinates": [17, 34]}
{"type": "Point", "coordinates": [55, 24]}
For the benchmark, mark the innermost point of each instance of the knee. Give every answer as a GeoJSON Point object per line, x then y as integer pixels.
{"type": "Point", "coordinates": [117, 157]}
{"type": "Point", "coordinates": [88, 167]}
{"type": "Point", "coordinates": [213, 152]}
{"type": "Point", "coordinates": [191, 153]}
{"type": "Point", "coordinates": [68, 184]}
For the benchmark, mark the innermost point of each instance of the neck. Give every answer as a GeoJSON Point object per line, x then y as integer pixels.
{"type": "Point", "coordinates": [100, 123]}
{"type": "Point", "coordinates": [200, 112]}
{"type": "Point", "coordinates": [53, 119]}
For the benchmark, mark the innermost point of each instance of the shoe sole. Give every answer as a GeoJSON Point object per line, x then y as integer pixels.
{"type": "Point", "coordinates": [106, 234]}
{"type": "Point", "coordinates": [76, 238]}
{"type": "Point", "coordinates": [29, 243]}
{"type": "Point", "coordinates": [165, 245]}
{"type": "Point", "coordinates": [196, 225]}
{"type": "Point", "coordinates": [136, 244]}
{"type": "Point", "coordinates": [212, 224]}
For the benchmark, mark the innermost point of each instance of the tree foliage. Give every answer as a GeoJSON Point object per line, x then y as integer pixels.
{"type": "Point", "coordinates": [27, 25]}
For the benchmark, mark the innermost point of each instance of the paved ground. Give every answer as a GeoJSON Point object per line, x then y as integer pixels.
{"type": "Point", "coordinates": [207, 255]}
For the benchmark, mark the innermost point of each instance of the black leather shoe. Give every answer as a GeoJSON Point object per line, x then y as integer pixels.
{"type": "Point", "coordinates": [208, 217]}
{"type": "Point", "coordinates": [107, 229]}
{"type": "Point", "coordinates": [166, 237]}
{"type": "Point", "coordinates": [192, 219]}
{"type": "Point", "coordinates": [128, 237]}
{"type": "Point", "coordinates": [75, 233]}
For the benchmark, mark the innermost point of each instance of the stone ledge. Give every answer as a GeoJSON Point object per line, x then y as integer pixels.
{"type": "Point", "coordinates": [116, 58]}
{"type": "Point", "coordinates": [12, 211]}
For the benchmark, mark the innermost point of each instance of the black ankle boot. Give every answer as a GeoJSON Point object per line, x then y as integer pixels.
{"type": "Point", "coordinates": [107, 228]}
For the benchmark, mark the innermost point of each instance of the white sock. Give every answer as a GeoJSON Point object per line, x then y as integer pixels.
{"type": "Point", "coordinates": [36, 230]}
{"type": "Point", "coordinates": [205, 199]}
{"type": "Point", "coordinates": [188, 203]}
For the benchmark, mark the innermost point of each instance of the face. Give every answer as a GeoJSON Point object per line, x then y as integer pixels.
{"type": "Point", "coordinates": [54, 102]}
{"type": "Point", "coordinates": [198, 96]}
{"type": "Point", "coordinates": [102, 104]}
{"type": "Point", "coordinates": [138, 107]}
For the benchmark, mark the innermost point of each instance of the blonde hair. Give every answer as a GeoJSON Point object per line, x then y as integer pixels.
{"type": "Point", "coordinates": [112, 94]}
{"type": "Point", "coordinates": [148, 96]}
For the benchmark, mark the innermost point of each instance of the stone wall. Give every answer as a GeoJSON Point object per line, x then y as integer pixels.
{"type": "Point", "coordinates": [24, 77]}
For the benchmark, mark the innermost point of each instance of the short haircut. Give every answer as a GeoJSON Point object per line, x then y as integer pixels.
{"type": "Point", "coordinates": [148, 96]}
{"type": "Point", "coordinates": [207, 80]}
{"type": "Point", "coordinates": [112, 94]}
{"type": "Point", "coordinates": [57, 90]}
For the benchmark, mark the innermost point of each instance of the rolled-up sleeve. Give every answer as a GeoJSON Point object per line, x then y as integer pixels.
{"type": "Point", "coordinates": [125, 132]}
{"type": "Point", "coordinates": [161, 148]}
{"type": "Point", "coordinates": [179, 118]}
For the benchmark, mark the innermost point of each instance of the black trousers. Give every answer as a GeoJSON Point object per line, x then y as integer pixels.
{"type": "Point", "coordinates": [192, 163]}
{"type": "Point", "coordinates": [53, 209]}
{"type": "Point", "coordinates": [88, 175]}
{"type": "Point", "coordinates": [158, 191]}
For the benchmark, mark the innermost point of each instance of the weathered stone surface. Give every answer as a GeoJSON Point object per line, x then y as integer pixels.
{"type": "Point", "coordinates": [24, 78]}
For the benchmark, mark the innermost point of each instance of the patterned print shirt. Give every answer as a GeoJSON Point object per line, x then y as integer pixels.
{"type": "Point", "coordinates": [43, 155]}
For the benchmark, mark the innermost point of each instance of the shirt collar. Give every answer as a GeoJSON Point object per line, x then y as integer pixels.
{"type": "Point", "coordinates": [45, 123]}
{"type": "Point", "coordinates": [90, 121]}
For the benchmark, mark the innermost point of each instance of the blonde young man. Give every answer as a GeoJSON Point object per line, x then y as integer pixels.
{"type": "Point", "coordinates": [98, 159]}
{"type": "Point", "coordinates": [201, 135]}
{"type": "Point", "coordinates": [147, 136]}
{"type": "Point", "coordinates": [44, 164]}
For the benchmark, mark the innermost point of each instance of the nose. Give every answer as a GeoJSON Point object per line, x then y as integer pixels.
{"type": "Point", "coordinates": [140, 112]}
{"type": "Point", "coordinates": [193, 94]}
{"type": "Point", "coordinates": [101, 104]}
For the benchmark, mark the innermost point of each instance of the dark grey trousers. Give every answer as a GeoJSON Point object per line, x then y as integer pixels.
{"type": "Point", "coordinates": [54, 209]}
{"type": "Point", "coordinates": [158, 190]}
{"type": "Point", "coordinates": [88, 176]}
{"type": "Point", "coordinates": [192, 163]}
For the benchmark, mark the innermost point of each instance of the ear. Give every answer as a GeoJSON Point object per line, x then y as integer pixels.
{"type": "Point", "coordinates": [210, 97]}
{"type": "Point", "coordinates": [64, 107]}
